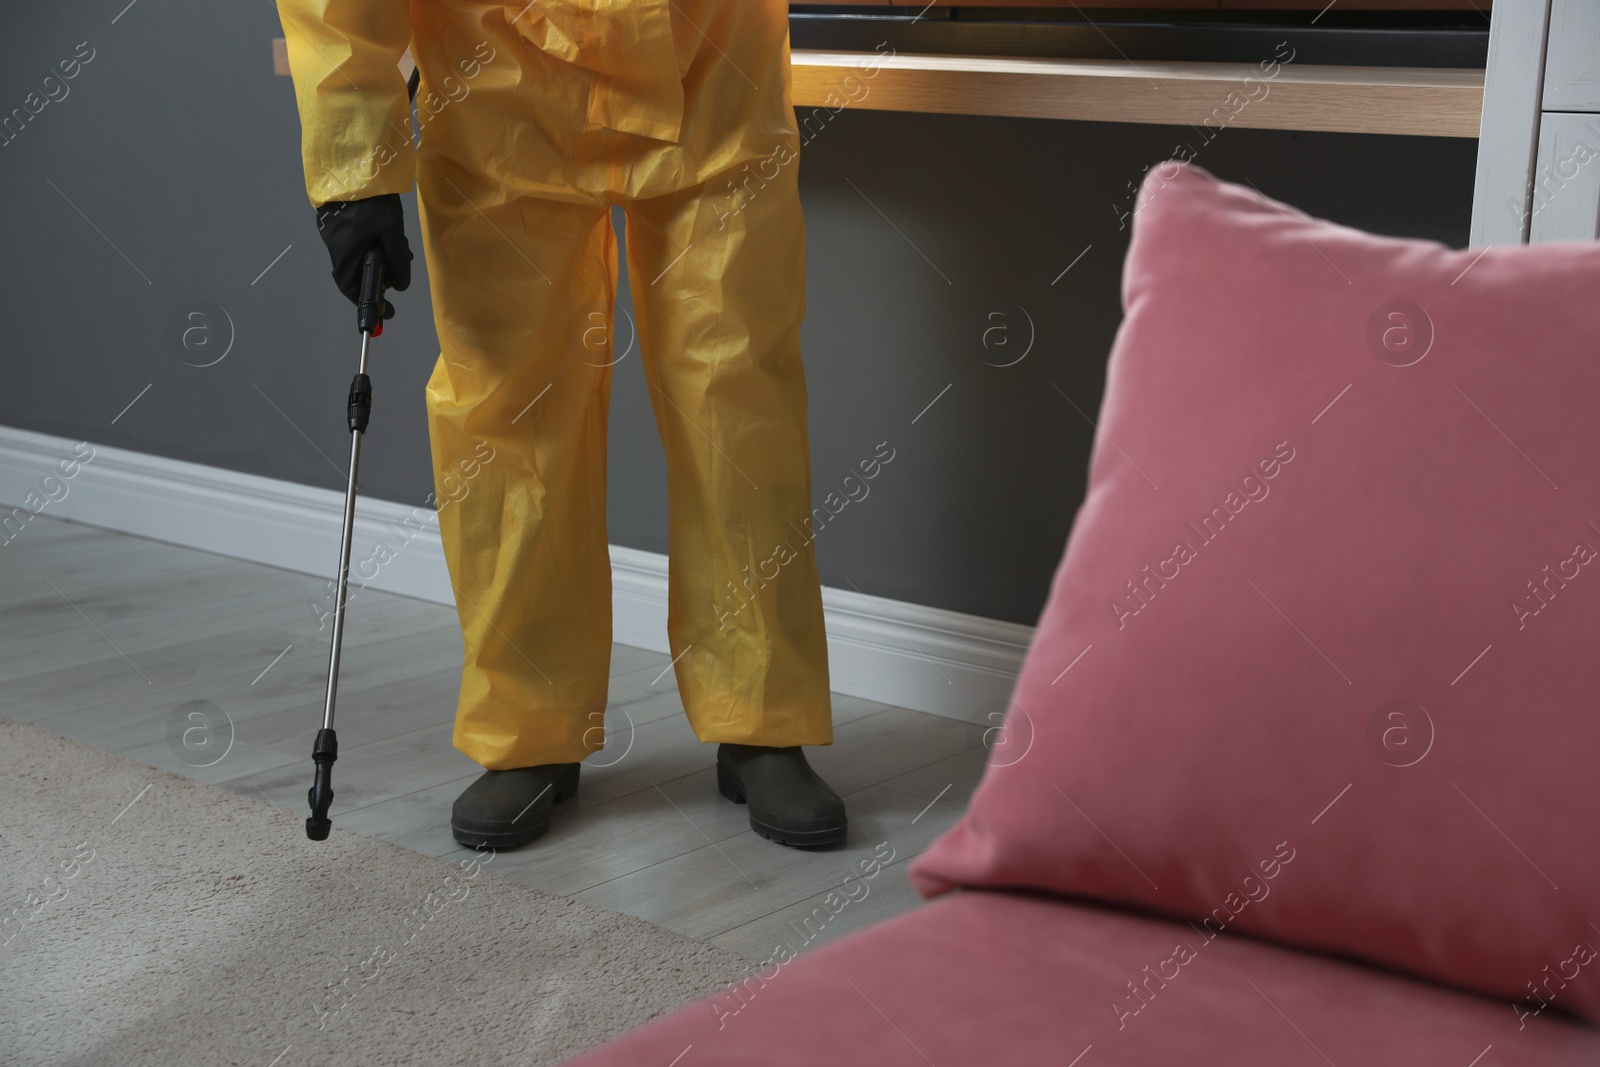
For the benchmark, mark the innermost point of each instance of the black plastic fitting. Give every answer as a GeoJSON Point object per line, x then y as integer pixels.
{"type": "Point", "coordinates": [324, 752]}
{"type": "Point", "coordinates": [369, 309]}
{"type": "Point", "coordinates": [360, 406]}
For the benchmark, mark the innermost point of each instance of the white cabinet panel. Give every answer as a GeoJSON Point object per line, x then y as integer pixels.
{"type": "Point", "coordinates": [1572, 65]}
{"type": "Point", "coordinates": [1508, 135]}
{"type": "Point", "coordinates": [1566, 179]}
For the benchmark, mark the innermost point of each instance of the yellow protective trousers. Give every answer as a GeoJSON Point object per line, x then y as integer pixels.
{"type": "Point", "coordinates": [534, 119]}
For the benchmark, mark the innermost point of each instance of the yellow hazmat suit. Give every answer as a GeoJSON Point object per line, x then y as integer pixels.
{"type": "Point", "coordinates": [534, 119]}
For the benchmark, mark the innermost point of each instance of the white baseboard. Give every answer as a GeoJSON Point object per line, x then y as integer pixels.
{"type": "Point", "coordinates": [924, 658]}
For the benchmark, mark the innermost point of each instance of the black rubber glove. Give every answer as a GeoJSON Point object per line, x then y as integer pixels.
{"type": "Point", "coordinates": [350, 227]}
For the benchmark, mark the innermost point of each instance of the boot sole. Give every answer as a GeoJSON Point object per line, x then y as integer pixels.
{"type": "Point", "coordinates": [730, 787]}
{"type": "Point", "coordinates": [562, 793]}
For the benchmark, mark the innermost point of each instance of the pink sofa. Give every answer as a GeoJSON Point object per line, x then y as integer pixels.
{"type": "Point", "coordinates": [1301, 766]}
{"type": "Point", "coordinates": [1000, 978]}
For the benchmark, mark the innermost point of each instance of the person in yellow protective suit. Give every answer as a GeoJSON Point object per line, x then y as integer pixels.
{"type": "Point", "coordinates": [535, 118]}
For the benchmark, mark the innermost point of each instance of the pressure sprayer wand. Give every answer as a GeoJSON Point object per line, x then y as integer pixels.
{"type": "Point", "coordinates": [369, 320]}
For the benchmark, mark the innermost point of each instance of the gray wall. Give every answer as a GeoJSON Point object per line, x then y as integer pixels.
{"type": "Point", "coordinates": [180, 146]}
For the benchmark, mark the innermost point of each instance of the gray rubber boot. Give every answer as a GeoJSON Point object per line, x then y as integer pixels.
{"type": "Point", "coordinates": [504, 809]}
{"type": "Point", "coordinates": [789, 802]}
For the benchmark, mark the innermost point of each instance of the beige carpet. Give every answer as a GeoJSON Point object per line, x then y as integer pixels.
{"type": "Point", "coordinates": [152, 919]}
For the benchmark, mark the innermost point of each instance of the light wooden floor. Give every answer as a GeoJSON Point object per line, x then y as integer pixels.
{"type": "Point", "coordinates": [108, 637]}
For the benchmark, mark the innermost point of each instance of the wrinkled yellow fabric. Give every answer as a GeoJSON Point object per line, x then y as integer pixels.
{"type": "Point", "coordinates": [534, 120]}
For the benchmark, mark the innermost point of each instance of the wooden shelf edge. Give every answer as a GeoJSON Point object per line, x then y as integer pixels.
{"type": "Point", "coordinates": [1418, 101]}
{"type": "Point", "coordinates": [1430, 102]}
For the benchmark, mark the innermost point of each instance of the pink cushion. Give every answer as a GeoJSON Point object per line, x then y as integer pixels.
{"type": "Point", "coordinates": [1003, 979]}
{"type": "Point", "coordinates": [1322, 660]}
